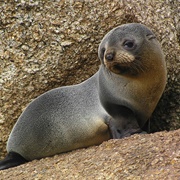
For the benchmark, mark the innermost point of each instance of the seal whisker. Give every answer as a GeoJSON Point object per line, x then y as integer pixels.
{"type": "Point", "coordinates": [138, 65]}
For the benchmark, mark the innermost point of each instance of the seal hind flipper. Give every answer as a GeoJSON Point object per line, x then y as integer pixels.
{"type": "Point", "coordinates": [11, 160]}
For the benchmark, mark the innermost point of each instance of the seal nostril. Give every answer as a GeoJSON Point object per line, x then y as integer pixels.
{"type": "Point", "coordinates": [109, 56]}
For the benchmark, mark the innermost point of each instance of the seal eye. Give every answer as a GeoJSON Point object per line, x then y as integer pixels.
{"type": "Point", "coordinates": [129, 44]}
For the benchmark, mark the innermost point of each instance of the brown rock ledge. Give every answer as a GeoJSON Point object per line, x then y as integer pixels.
{"type": "Point", "coordinates": [147, 156]}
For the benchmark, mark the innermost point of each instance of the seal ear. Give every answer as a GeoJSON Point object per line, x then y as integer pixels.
{"type": "Point", "coordinates": [150, 36]}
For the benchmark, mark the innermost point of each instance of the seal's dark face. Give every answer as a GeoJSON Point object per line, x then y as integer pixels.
{"type": "Point", "coordinates": [121, 49]}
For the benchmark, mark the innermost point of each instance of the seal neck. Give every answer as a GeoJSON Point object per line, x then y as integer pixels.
{"type": "Point", "coordinates": [115, 96]}
{"type": "Point", "coordinates": [111, 86]}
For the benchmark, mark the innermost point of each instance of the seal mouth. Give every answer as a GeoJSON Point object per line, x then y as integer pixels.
{"type": "Point", "coordinates": [118, 68]}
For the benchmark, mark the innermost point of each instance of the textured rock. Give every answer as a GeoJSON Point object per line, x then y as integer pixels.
{"type": "Point", "coordinates": [139, 157]}
{"type": "Point", "coordinates": [46, 44]}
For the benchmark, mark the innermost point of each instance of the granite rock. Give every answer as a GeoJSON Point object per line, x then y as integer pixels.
{"type": "Point", "coordinates": [47, 44]}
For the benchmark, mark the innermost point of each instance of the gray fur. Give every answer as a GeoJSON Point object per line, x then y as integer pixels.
{"type": "Point", "coordinates": [60, 120]}
{"type": "Point", "coordinates": [89, 113]}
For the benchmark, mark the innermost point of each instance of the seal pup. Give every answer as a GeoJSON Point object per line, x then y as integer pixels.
{"type": "Point", "coordinates": [114, 103]}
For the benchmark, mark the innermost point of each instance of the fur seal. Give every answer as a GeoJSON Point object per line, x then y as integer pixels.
{"type": "Point", "coordinates": [114, 103]}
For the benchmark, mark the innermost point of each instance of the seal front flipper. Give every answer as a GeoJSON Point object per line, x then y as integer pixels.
{"type": "Point", "coordinates": [124, 123]}
{"type": "Point", "coordinates": [117, 132]}
{"type": "Point", "coordinates": [11, 160]}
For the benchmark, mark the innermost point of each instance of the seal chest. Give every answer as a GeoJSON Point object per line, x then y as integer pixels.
{"type": "Point", "coordinates": [114, 103]}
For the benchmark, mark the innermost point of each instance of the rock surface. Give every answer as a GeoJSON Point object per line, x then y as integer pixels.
{"type": "Point", "coordinates": [46, 44]}
{"type": "Point", "coordinates": [139, 157]}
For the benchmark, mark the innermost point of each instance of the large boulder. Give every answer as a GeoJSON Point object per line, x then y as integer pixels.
{"type": "Point", "coordinates": [46, 44]}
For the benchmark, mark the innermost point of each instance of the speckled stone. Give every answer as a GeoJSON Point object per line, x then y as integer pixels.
{"type": "Point", "coordinates": [46, 44]}
{"type": "Point", "coordinates": [139, 157]}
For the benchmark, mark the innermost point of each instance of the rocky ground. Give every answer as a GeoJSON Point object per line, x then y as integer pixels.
{"type": "Point", "coordinates": [147, 156]}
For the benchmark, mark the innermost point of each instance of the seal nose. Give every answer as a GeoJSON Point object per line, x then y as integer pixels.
{"type": "Point", "coordinates": [109, 56]}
